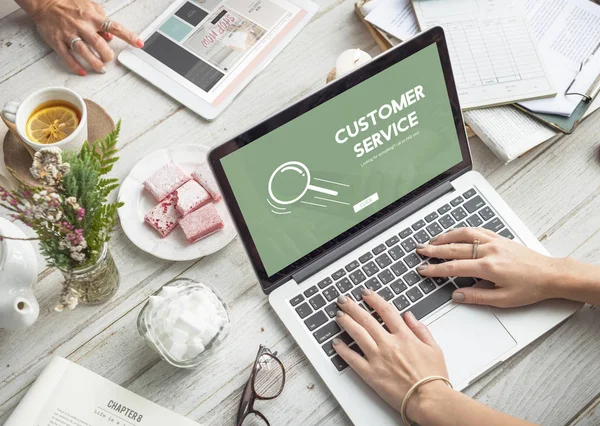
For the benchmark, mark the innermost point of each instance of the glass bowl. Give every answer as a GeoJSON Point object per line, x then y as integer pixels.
{"type": "Point", "coordinates": [184, 320]}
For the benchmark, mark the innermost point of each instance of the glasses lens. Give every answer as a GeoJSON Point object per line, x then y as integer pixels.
{"type": "Point", "coordinates": [254, 420]}
{"type": "Point", "coordinates": [268, 381]}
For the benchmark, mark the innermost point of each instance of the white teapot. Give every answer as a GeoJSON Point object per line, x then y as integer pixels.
{"type": "Point", "coordinates": [18, 273]}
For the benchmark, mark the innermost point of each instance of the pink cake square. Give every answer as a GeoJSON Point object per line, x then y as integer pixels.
{"type": "Point", "coordinates": [201, 223]}
{"type": "Point", "coordinates": [166, 180]}
{"type": "Point", "coordinates": [163, 217]}
{"type": "Point", "coordinates": [204, 177]}
{"type": "Point", "coordinates": [190, 196]}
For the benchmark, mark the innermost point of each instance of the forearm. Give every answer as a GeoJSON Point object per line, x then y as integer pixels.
{"type": "Point", "coordinates": [577, 281]}
{"type": "Point", "coordinates": [442, 406]}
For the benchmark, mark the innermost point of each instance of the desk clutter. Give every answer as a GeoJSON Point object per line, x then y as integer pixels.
{"type": "Point", "coordinates": [525, 73]}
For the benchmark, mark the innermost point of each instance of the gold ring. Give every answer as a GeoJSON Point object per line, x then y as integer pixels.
{"type": "Point", "coordinates": [75, 40]}
{"type": "Point", "coordinates": [106, 26]}
{"type": "Point", "coordinates": [475, 247]}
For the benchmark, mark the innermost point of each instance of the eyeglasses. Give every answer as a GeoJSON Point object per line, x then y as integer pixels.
{"type": "Point", "coordinates": [266, 382]}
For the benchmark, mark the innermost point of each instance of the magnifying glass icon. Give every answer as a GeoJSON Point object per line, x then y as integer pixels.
{"type": "Point", "coordinates": [297, 171]}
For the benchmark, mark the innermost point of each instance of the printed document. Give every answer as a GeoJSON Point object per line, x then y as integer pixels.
{"type": "Point", "coordinates": [395, 17]}
{"type": "Point", "coordinates": [568, 33]}
{"type": "Point", "coordinates": [66, 394]}
{"type": "Point", "coordinates": [492, 50]}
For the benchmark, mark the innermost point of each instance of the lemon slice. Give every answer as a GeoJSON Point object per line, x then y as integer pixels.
{"type": "Point", "coordinates": [51, 125]}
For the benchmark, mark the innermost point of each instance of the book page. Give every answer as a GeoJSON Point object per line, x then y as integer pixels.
{"type": "Point", "coordinates": [66, 394]}
{"type": "Point", "coordinates": [493, 53]}
{"type": "Point", "coordinates": [507, 132]}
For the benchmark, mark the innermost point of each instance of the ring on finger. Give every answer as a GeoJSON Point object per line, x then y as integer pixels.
{"type": "Point", "coordinates": [106, 26]}
{"type": "Point", "coordinates": [475, 247]}
{"type": "Point", "coordinates": [75, 40]}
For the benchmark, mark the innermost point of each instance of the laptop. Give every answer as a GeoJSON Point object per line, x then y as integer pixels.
{"type": "Point", "coordinates": [332, 195]}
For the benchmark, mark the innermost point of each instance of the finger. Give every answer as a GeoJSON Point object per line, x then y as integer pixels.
{"type": "Point", "coordinates": [358, 333]}
{"type": "Point", "coordinates": [419, 329]}
{"type": "Point", "coordinates": [106, 36]}
{"type": "Point", "coordinates": [453, 268]}
{"type": "Point", "coordinates": [362, 317]}
{"type": "Point", "coordinates": [352, 358]}
{"type": "Point", "coordinates": [464, 235]}
{"type": "Point", "coordinates": [124, 34]}
{"type": "Point", "coordinates": [481, 296]}
{"type": "Point", "coordinates": [70, 60]}
{"type": "Point", "coordinates": [98, 43]}
{"type": "Point", "coordinates": [450, 251]}
{"type": "Point", "coordinates": [386, 311]}
{"type": "Point", "coordinates": [84, 51]}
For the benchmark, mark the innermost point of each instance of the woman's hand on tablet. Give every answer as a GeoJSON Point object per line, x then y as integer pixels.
{"type": "Point", "coordinates": [78, 26]}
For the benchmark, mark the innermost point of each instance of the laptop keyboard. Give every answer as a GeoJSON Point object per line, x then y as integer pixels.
{"type": "Point", "coordinates": [389, 270]}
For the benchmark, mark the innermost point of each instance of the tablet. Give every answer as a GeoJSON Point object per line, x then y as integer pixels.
{"type": "Point", "coordinates": [204, 52]}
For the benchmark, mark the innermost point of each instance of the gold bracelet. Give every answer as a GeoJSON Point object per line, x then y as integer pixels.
{"type": "Point", "coordinates": [413, 389]}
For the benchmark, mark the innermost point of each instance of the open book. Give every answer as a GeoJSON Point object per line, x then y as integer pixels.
{"type": "Point", "coordinates": [67, 394]}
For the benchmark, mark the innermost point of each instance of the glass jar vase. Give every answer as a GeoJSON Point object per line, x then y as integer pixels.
{"type": "Point", "coordinates": [94, 284]}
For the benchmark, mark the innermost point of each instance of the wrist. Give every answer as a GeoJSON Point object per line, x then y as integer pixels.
{"type": "Point", "coordinates": [424, 401]}
{"type": "Point", "coordinates": [34, 8]}
{"type": "Point", "coordinates": [562, 278]}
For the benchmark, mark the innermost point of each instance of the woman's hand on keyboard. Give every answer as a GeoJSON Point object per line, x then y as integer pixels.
{"type": "Point", "coordinates": [395, 360]}
{"type": "Point", "coordinates": [521, 276]}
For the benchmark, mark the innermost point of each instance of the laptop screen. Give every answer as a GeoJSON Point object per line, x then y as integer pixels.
{"type": "Point", "coordinates": [313, 178]}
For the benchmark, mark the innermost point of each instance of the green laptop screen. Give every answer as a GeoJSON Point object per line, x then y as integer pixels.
{"type": "Point", "coordinates": [327, 170]}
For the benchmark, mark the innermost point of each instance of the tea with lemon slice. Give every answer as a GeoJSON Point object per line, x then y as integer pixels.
{"type": "Point", "coordinates": [52, 122]}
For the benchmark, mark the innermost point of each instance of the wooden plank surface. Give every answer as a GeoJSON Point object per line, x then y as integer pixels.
{"type": "Point", "coordinates": [554, 189]}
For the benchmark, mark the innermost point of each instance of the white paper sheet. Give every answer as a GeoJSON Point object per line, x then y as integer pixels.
{"type": "Point", "coordinates": [568, 32]}
{"type": "Point", "coordinates": [395, 17]}
{"type": "Point", "coordinates": [493, 53]}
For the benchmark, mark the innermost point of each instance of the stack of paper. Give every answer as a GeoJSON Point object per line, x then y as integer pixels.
{"type": "Point", "coordinates": [493, 53]}
{"type": "Point", "coordinates": [566, 31]}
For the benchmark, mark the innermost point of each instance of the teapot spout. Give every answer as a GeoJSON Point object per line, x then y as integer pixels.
{"type": "Point", "coordinates": [22, 311]}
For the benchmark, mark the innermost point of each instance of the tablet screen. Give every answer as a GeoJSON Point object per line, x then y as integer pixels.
{"type": "Point", "coordinates": [215, 44]}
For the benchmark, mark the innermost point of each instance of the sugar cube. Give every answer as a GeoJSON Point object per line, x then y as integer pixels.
{"type": "Point", "coordinates": [180, 336]}
{"type": "Point", "coordinates": [178, 350]}
{"type": "Point", "coordinates": [163, 217]}
{"type": "Point", "coordinates": [190, 323]}
{"type": "Point", "coordinates": [201, 223]}
{"type": "Point", "coordinates": [166, 180]}
{"type": "Point", "coordinates": [204, 177]}
{"type": "Point", "coordinates": [195, 348]}
{"type": "Point", "coordinates": [190, 196]}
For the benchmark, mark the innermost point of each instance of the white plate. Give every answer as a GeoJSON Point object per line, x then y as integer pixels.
{"type": "Point", "coordinates": [139, 201]}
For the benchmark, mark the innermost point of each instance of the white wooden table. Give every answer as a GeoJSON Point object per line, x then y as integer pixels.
{"type": "Point", "coordinates": [555, 189]}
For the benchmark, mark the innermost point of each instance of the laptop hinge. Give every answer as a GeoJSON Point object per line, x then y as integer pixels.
{"type": "Point", "coordinates": [372, 232]}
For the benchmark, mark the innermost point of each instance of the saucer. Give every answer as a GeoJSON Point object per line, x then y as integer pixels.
{"type": "Point", "coordinates": [18, 158]}
{"type": "Point", "coordinates": [138, 202]}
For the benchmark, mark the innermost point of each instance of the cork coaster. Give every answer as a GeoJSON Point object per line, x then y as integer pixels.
{"type": "Point", "coordinates": [18, 158]}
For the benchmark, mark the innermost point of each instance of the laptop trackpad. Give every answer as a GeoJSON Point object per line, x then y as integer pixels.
{"type": "Point", "coordinates": [471, 338]}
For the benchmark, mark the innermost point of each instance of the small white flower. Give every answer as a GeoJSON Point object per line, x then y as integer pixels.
{"type": "Point", "coordinates": [59, 308]}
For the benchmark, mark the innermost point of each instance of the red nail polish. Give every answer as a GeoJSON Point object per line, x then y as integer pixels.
{"type": "Point", "coordinates": [139, 43]}
{"type": "Point", "coordinates": [82, 73]}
